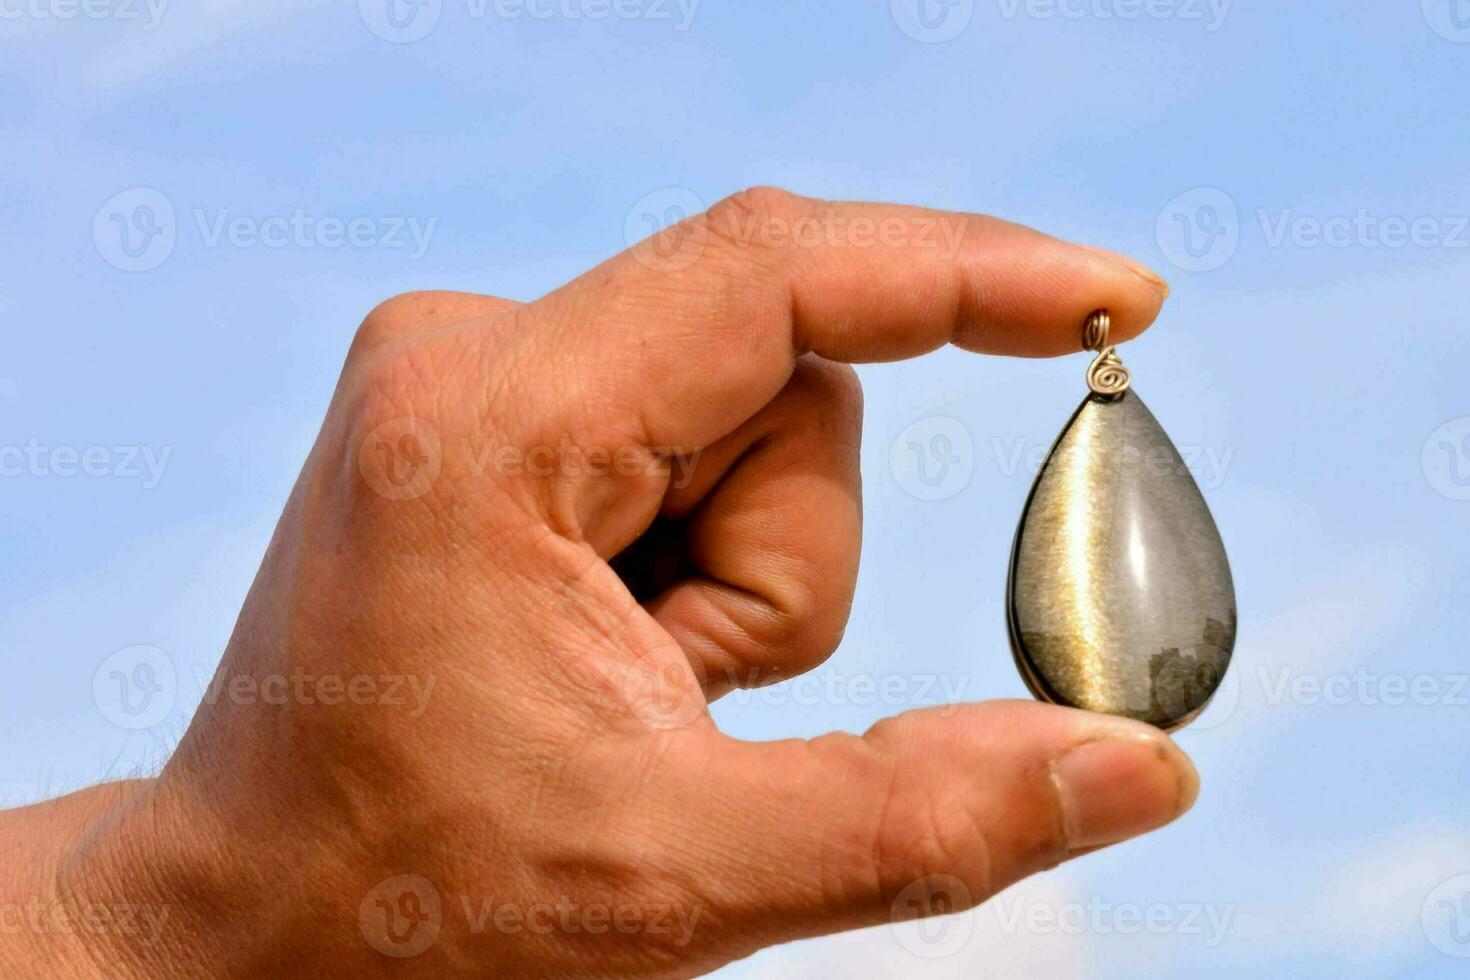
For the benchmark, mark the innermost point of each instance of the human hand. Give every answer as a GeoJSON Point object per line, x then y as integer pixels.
{"type": "Point", "coordinates": [562, 527]}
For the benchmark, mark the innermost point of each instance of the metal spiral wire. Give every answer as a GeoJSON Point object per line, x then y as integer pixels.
{"type": "Point", "coordinates": [1095, 330]}
{"type": "Point", "coordinates": [1107, 376]}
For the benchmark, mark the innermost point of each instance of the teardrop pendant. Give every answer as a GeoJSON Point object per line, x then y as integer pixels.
{"type": "Point", "coordinates": [1119, 597]}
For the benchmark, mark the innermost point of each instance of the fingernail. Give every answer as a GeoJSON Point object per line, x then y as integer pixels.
{"type": "Point", "coordinates": [1119, 786]}
{"type": "Point", "coordinates": [1138, 268]}
{"type": "Point", "coordinates": [1153, 277]}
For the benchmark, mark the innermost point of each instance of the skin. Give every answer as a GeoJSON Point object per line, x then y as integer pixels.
{"type": "Point", "coordinates": [560, 803]}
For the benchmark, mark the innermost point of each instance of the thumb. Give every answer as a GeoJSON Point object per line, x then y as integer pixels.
{"type": "Point", "coordinates": [930, 812]}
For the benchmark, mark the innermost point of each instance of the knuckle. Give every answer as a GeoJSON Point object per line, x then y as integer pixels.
{"type": "Point", "coordinates": [740, 221]}
{"type": "Point", "coordinates": [391, 319]}
{"type": "Point", "coordinates": [760, 199]}
{"type": "Point", "coordinates": [924, 829]}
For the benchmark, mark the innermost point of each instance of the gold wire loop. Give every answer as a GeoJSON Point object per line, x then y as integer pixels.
{"type": "Point", "coordinates": [1107, 376]}
{"type": "Point", "coordinates": [1095, 330]}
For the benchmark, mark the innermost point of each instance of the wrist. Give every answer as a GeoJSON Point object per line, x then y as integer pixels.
{"type": "Point", "coordinates": [117, 881]}
{"type": "Point", "coordinates": [47, 927]}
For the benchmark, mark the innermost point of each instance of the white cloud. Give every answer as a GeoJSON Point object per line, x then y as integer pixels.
{"type": "Point", "coordinates": [1374, 901]}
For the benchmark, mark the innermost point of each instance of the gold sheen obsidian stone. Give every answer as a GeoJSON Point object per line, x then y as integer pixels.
{"type": "Point", "coordinates": [1120, 598]}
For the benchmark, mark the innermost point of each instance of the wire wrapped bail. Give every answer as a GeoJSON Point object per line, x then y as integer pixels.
{"type": "Point", "coordinates": [1107, 376]}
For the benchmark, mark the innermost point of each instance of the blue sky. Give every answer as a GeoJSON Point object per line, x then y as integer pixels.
{"type": "Point", "coordinates": [1299, 173]}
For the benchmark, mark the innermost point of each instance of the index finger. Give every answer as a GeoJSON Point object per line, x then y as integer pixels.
{"type": "Point", "coordinates": [683, 337]}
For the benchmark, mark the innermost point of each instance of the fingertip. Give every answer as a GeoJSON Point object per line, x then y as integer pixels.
{"type": "Point", "coordinates": [1031, 293]}
{"type": "Point", "coordinates": [1188, 778]}
{"type": "Point", "coordinates": [1140, 294]}
{"type": "Point", "coordinates": [1120, 782]}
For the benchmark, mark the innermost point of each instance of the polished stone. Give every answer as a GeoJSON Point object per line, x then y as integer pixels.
{"type": "Point", "coordinates": [1120, 598]}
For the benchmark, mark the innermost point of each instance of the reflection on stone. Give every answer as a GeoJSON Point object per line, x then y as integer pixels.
{"type": "Point", "coordinates": [1120, 596]}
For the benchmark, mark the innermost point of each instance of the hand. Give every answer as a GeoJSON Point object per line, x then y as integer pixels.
{"type": "Point", "coordinates": [461, 727]}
